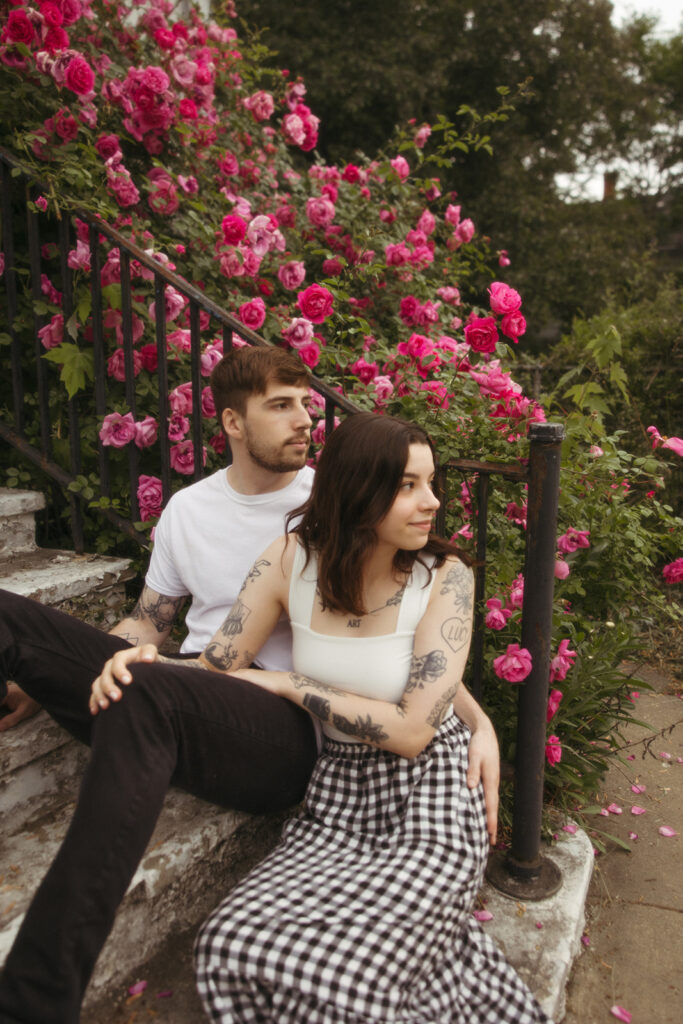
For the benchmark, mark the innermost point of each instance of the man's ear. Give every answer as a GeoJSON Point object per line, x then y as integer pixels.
{"type": "Point", "coordinates": [233, 423]}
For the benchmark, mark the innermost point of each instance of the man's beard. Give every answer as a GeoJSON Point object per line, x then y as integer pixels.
{"type": "Point", "coordinates": [275, 459]}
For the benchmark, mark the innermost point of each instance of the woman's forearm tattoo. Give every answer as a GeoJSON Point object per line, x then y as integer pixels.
{"type": "Point", "coordinates": [363, 728]}
{"type": "Point", "coordinates": [438, 712]}
{"type": "Point", "coordinates": [300, 681]}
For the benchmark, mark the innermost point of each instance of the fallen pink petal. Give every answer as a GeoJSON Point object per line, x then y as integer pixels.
{"type": "Point", "coordinates": [569, 828]}
{"type": "Point", "coordinates": [633, 835]}
{"type": "Point", "coordinates": [637, 788]}
{"type": "Point", "coordinates": [166, 994]}
{"type": "Point", "coordinates": [137, 988]}
{"type": "Point", "coordinates": [666, 830]}
{"type": "Point", "coordinates": [604, 812]}
{"type": "Point", "coordinates": [539, 924]}
{"type": "Point", "coordinates": [585, 939]}
{"type": "Point", "coordinates": [631, 757]}
{"type": "Point", "coordinates": [483, 915]}
{"type": "Point", "coordinates": [637, 810]}
{"type": "Point", "coordinates": [621, 1014]}
{"type": "Point", "coordinates": [614, 809]}
{"type": "Point", "coordinates": [665, 755]}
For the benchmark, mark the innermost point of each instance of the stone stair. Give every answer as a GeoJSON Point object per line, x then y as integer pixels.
{"type": "Point", "coordinates": [197, 851]}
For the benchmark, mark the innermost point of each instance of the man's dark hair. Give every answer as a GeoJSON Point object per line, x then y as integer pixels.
{"type": "Point", "coordinates": [250, 371]}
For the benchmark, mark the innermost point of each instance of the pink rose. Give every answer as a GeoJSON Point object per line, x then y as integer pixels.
{"type": "Point", "coordinates": [513, 326]}
{"type": "Point", "coordinates": [449, 294]}
{"type": "Point", "coordinates": [71, 11]}
{"type": "Point", "coordinates": [401, 166]}
{"type": "Point", "coordinates": [426, 223]}
{"type": "Point", "coordinates": [514, 665]}
{"type": "Point", "coordinates": [178, 426]}
{"type": "Point", "coordinates": [146, 432]}
{"type": "Point", "coordinates": [320, 211]}
{"type": "Point", "coordinates": [396, 255]}
{"type": "Point", "coordinates": [108, 146]}
{"type": "Point", "coordinates": [554, 699]}
{"type": "Point", "coordinates": [310, 353]}
{"type": "Point", "coordinates": [553, 750]}
{"type": "Point", "coordinates": [180, 399]}
{"type": "Point", "coordinates": [464, 231]}
{"type": "Point", "coordinates": [497, 616]}
{"type": "Point", "coordinates": [155, 79]}
{"type": "Point", "coordinates": [299, 332]}
{"type": "Point", "coordinates": [452, 215]}
{"type": "Point", "coordinates": [182, 458]}
{"type": "Point", "coordinates": [291, 274]}
{"type": "Point", "coordinates": [79, 77]}
{"type": "Point", "coordinates": [572, 540]}
{"type": "Point", "coordinates": [561, 569]}
{"type": "Point", "coordinates": [208, 404]}
{"type": "Point", "coordinates": [315, 303]}
{"type": "Point", "coordinates": [481, 334]}
{"type": "Point", "coordinates": [332, 267]}
{"type": "Point", "coordinates": [363, 370]}
{"type": "Point", "coordinates": [383, 389]}
{"type": "Point", "coordinates": [210, 357]}
{"type": "Point", "coordinates": [117, 430]}
{"type": "Point", "coordinates": [253, 313]}
{"type": "Point", "coordinates": [53, 333]}
{"type": "Point", "coordinates": [150, 497]}
{"type": "Point", "coordinates": [19, 28]}
{"type": "Point", "coordinates": [562, 662]}
{"type": "Point", "coordinates": [422, 135]}
{"type": "Point", "coordinates": [673, 572]}
{"type": "Point", "coordinates": [188, 110]}
{"type": "Point", "coordinates": [260, 104]}
{"type": "Point", "coordinates": [516, 598]}
{"type": "Point", "coordinates": [503, 299]}
{"type": "Point", "coordinates": [409, 310]}
{"type": "Point", "coordinates": [234, 229]}
{"type": "Point", "coordinates": [116, 364]}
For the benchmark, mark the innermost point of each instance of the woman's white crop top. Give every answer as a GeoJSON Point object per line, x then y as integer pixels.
{"type": "Point", "coordinates": [375, 666]}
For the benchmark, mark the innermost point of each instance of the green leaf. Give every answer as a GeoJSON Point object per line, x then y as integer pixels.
{"type": "Point", "coordinates": [77, 366]}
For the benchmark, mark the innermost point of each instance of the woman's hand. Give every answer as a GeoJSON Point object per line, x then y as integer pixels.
{"type": "Point", "coordinates": [107, 686]}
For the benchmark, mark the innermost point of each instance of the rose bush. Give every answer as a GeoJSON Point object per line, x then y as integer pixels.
{"type": "Point", "coordinates": [180, 134]}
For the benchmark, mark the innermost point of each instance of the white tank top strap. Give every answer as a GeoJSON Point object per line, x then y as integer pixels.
{"type": "Point", "coordinates": [302, 587]}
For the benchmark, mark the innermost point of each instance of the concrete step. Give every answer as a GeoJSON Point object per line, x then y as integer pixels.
{"type": "Point", "coordinates": [196, 853]}
{"type": "Point", "coordinates": [56, 576]}
{"type": "Point", "coordinates": [17, 520]}
{"type": "Point", "coordinates": [38, 760]}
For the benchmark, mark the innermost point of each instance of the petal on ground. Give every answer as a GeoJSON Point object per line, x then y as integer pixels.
{"type": "Point", "coordinates": [621, 1014]}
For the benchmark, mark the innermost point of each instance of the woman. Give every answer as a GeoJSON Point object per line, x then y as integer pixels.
{"type": "Point", "coordinates": [363, 912]}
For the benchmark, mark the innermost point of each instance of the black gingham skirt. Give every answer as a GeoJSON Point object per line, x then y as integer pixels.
{"type": "Point", "coordinates": [364, 910]}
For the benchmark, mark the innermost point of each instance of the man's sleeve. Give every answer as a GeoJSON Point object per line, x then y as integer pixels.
{"type": "Point", "coordinates": [164, 573]}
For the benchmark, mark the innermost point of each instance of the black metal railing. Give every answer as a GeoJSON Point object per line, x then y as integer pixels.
{"type": "Point", "coordinates": [540, 471]}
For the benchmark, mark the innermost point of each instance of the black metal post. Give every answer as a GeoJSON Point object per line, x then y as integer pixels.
{"type": "Point", "coordinates": [524, 872]}
{"type": "Point", "coordinates": [480, 584]}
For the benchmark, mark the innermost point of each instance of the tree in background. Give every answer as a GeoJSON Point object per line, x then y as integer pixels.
{"type": "Point", "coordinates": [593, 94]}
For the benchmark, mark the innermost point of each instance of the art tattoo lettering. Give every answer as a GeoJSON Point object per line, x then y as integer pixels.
{"type": "Point", "coordinates": [255, 571]}
{"type": "Point", "coordinates": [458, 582]}
{"type": "Point", "coordinates": [456, 632]}
{"type": "Point", "coordinates": [438, 712]}
{"type": "Point", "coordinates": [353, 623]}
{"type": "Point", "coordinates": [159, 609]}
{"type": "Point", "coordinates": [318, 706]}
{"type": "Point", "coordinates": [362, 728]}
{"type": "Point", "coordinates": [237, 616]}
{"type": "Point", "coordinates": [425, 669]}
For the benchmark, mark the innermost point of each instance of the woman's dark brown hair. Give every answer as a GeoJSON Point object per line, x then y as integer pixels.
{"type": "Point", "coordinates": [358, 476]}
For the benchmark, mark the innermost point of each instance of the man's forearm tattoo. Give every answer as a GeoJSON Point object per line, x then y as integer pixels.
{"type": "Point", "coordinates": [458, 582]}
{"type": "Point", "coordinates": [425, 669]}
{"type": "Point", "coordinates": [160, 610]}
{"type": "Point", "coordinates": [300, 681]}
{"type": "Point", "coordinates": [456, 631]}
{"type": "Point", "coordinates": [182, 662]}
{"type": "Point", "coordinates": [438, 712]}
{"type": "Point", "coordinates": [234, 623]}
{"type": "Point", "coordinates": [255, 571]}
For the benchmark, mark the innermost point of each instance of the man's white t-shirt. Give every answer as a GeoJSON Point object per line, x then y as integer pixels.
{"type": "Point", "coordinates": [205, 543]}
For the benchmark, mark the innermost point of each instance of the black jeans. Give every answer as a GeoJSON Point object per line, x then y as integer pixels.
{"type": "Point", "coordinates": [217, 737]}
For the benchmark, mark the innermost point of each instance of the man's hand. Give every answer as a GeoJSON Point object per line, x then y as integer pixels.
{"type": "Point", "coordinates": [21, 706]}
{"type": "Point", "coordinates": [484, 767]}
{"type": "Point", "coordinates": [107, 686]}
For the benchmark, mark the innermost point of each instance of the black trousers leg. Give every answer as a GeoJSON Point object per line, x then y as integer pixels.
{"type": "Point", "coordinates": [220, 738]}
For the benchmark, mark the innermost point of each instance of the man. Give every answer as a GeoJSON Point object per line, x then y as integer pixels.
{"type": "Point", "coordinates": [217, 737]}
